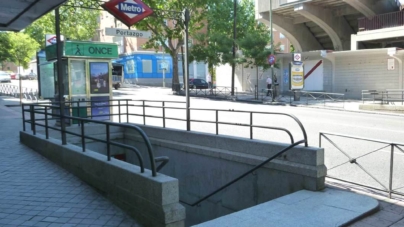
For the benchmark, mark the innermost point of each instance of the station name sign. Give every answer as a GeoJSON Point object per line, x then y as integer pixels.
{"type": "Point", "coordinates": [127, 33]}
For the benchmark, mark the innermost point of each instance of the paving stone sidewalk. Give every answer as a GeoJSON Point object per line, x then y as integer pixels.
{"type": "Point", "coordinates": [36, 192]}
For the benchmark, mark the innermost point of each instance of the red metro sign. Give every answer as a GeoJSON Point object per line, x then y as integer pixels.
{"type": "Point", "coordinates": [128, 11]}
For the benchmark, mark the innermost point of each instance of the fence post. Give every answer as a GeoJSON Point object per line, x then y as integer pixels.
{"type": "Point", "coordinates": [144, 114]}
{"type": "Point", "coordinates": [251, 125]}
{"type": "Point", "coordinates": [32, 115]}
{"type": "Point", "coordinates": [23, 117]}
{"type": "Point", "coordinates": [391, 170]}
{"type": "Point", "coordinates": [119, 110]}
{"type": "Point", "coordinates": [164, 115]}
{"type": "Point", "coordinates": [217, 122]}
{"type": "Point", "coordinates": [83, 140]}
{"type": "Point", "coordinates": [46, 123]}
{"type": "Point", "coordinates": [127, 111]}
{"type": "Point", "coordinates": [108, 144]}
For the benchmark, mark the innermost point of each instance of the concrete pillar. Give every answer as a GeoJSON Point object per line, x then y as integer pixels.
{"type": "Point", "coordinates": [354, 42]}
{"type": "Point", "coordinates": [298, 34]}
{"type": "Point", "coordinates": [337, 28]}
{"type": "Point", "coordinates": [366, 7]}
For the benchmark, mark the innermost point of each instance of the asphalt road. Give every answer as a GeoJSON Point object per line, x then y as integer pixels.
{"type": "Point", "coordinates": [373, 126]}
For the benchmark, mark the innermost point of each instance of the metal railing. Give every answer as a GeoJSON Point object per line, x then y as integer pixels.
{"type": "Point", "coordinates": [384, 97]}
{"type": "Point", "coordinates": [45, 111]}
{"type": "Point", "coordinates": [387, 20]}
{"type": "Point", "coordinates": [320, 97]}
{"type": "Point", "coordinates": [215, 92]}
{"type": "Point", "coordinates": [14, 91]}
{"type": "Point", "coordinates": [217, 112]}
{"type": "Point", "coordinates": [243, 175]}
{"type": "Point", "coordinates": [124, 113]}
{"type": "Point", "coordinates": [355, 160]}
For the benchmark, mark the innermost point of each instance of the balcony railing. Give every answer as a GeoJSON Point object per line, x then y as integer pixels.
{"type": "Point", "coordinates": [387, 20]}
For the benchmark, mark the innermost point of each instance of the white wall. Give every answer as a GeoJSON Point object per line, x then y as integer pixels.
{"type": "Point", "coordinates": [356, 73]}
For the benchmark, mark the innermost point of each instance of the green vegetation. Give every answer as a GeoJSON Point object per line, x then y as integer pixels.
{"type": "Point", "coordinates": [18, 48]}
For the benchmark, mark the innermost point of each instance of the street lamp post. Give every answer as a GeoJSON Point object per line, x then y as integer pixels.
{"type": "Point", "coordinates": [272, 52]}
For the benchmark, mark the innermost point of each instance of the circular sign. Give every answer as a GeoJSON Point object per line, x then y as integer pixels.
{"type": "Point", "coordinates": [271, 59]}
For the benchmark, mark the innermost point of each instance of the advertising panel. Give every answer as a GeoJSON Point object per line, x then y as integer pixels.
{"type": "Point", "coordinates": [99, 77]}
{"type": "Point", "coordinates": [100, 107]}
{"type": "Point", "coordinates": [296, 76]}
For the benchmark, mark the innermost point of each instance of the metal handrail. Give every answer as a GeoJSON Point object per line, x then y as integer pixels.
{"type": "Point", "coordinates": [244, 174]}
{"type": "Point", "coordinates": [33, 122]}
{"type": "Point", "coordinates": [227, 123]}
{"type": "Point", "coordinates": [352, 160]}
{"type": "Point", "coordinates": [143, 105]}
{"type": "Point", "coordinates": [320, 96]}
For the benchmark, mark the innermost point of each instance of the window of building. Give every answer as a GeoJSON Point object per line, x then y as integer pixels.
{"type": "Point", "coordinates": [147, 66]}
{"type": "Point", "coordinates": [282, 36]}
{"type": "Point", "coordinates": [282, 47]}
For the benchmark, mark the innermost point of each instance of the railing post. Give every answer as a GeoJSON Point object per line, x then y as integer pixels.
{"type": "Point", "coordinates": [144, 114]}
{"type": "Point", "coordinates": [78, 111]}
{"type": "Point", "coordinates": [119, 110]}
{"type": "Point", "coordinates": [23, 117]}
{"type": "Point", "coordinates": [46, 123]}
{"type": "Point", "coordinates": [217, 122]}
{"type": "Point", "coordinates": [108, 144]}
{"type": "Point", "coordinates": [391, 170]}
{"type": "Point", "coordinates": [83, 139]}
{"type": "Point", "coordinates": [127, 111]}
{"type": "Point", "coordinates": [32, 115]}
{"type": "Point", "coordinates": [251, 125]}
{"type": "Point", "coordinates": [164, 115]}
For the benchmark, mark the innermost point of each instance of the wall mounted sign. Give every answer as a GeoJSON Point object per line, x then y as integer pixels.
{"type": "Point", "coordinates": [390, 64]}
{"type": "Point", "coordinates": [296, 76]}
{"type": "Point", "coordinates": [128, 11]}
{"type": "Point", "coordinates": [84, 49]}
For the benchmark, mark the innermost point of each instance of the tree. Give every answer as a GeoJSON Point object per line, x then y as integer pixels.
{"type": "Point", "coordinates": [75, 23]}
{"type": "Point", "coordinates": [23, 48]}
{"type": "Point", "coordinates": [255, 51]}
{"type": "Point", "coordinates": [169, 35]}
{"type": "Point", "coordinates": [215, 46]}
{"type": "Point", "coordinates": [5, 47]}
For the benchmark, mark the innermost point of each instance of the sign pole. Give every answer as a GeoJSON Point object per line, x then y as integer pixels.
{"type": "Point", "coordinates": [60, 76]}
{"type": "Point", "coordinates": [186, 74]}
{"type": "Point", "coordinates": [272, 51]}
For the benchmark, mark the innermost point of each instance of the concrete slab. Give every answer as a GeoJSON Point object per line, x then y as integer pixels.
{"type": "Point", "coordinates": [330, 207]}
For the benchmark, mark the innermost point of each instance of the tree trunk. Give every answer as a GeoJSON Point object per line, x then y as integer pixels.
{"type": "Point", "coordinates": [175, 80]}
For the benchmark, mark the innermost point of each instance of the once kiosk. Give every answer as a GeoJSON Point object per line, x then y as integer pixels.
{"type": "Point", "coordinates": [87, 77]}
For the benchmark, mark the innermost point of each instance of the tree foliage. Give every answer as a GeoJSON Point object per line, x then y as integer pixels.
{"type": "Point", "coordinates": [170, 35]}
{"type": "Point", "coordinates": [5, 46]}
{"type": "Point", "coordinates": [23, 48]}
{"type": "Point", "coordinates": [216, 46]}
{"type": "Point", "coordinates": [75, 24]}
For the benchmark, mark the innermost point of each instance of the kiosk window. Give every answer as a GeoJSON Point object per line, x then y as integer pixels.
{"type": "Point", "coordinates": [147, 66]}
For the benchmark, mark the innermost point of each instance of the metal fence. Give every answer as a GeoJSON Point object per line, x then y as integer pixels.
{"type": "Point", "coordinates": [14, 91]}
{"type": "Point", "coordinates": [320, 98]}
{"type": "Point", "coordinates": [387, 20]}
{"type": "Point", "coordinates": [371, 172]}
{"type": "Point", "coordinates": [126, 110]}
{"type": "Point", "coordinates": [41, 114]}
{"type": "Point", "coordinates": [384, 96]}
{"type": "Point", "coordinates": [215, 92]}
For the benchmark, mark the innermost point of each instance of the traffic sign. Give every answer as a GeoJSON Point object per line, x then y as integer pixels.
{"type": "Point", "coordinates": [127, 33]}
{"type": "Point", "coordinates": [51, 39]}
{"type": "Point", "coordinates": [271, 59]}
{"type": "Point", "coordinates": [297, 57]}
{"type": "Point", "coordinates": [128, 11]}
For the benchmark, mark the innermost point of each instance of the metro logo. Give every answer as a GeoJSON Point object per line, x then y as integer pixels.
{"type": "Point", "coordinates": [128, 11]}
{"type": "Point", "coordinates": [130, 8]}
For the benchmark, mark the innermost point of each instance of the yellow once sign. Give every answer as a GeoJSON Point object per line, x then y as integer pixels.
{"type": "Point", "coordinates": [296, 76]}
